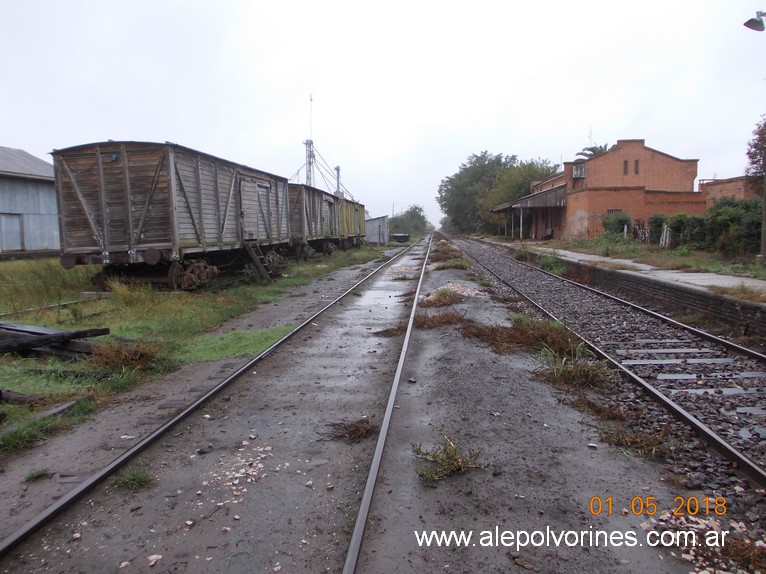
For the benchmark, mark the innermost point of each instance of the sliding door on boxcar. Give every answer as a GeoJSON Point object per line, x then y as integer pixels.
{"type": "Point", "coordinates": [207, 203]}
{"type": "Point", "coordinates": [265, 205]}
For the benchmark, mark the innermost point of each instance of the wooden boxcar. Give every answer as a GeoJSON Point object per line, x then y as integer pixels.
{"type": "Point", "coordinates": [317, 217]}
{"type": "Point", "coordinates": [164, 206]}
{"type": "Point", "coordinates": [351, 217]}
{"type": "Point", "coordinates": [313, 214]}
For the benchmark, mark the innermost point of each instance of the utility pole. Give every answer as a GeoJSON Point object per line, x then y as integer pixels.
{"type": "Point", "coordinates": [309, 162]}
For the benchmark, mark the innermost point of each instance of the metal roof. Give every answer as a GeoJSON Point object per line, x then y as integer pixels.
{"type": "Point", "coordinates": [553, 197]}
{"type": "Point", "coordinates": [18, 163]}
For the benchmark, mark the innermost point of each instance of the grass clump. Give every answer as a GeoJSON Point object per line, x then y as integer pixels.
{"type": "Point", "coordinates": [655, 445]}
{"type": "Point", "coordinates": [552, 264]}
{"type": "Point", "coordinates": [522, 334]}
{"type": "Point", "coordinates": [441, 298]}
{"type": "Point", "coordinates": [37, 474]}
{"type": "Point", "coordinates": [118, 356]}
{"type": "Point", "coordinates": [575, 367]}
{"type": "Point", "coordinates": [443, 251]}
{"type": "Point", "coordinates": [28, 433]}
{"type": "Point", "coordinates": [34, 430]}
{"type": "Point", "coordinates": [455, 263]}
{"type": "Point", "coordinates": [522, 255]}
{"type": "Point", "coordinates": [429, 321]}
{"type": "Point", "coordinates": [605, 411]}
{"type": "Point", "coordinates": [353, 431]}
{"type": "Point", "coordinates": [134, 478]}
{"type": "Point", "coordinates": [448, 459]}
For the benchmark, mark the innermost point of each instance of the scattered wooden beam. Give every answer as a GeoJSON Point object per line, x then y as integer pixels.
{"type": "Point", "coordinates": [14, 398]}
{"type": "Point", "coordinates": [34, 339]}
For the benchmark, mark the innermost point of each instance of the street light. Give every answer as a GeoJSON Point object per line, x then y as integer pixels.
{"type": "Point", "coordinates": [757, 23]}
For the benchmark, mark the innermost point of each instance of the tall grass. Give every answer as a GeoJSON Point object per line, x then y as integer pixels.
{"type": "Point", "coordinates": [31, 283]}
{"type": "Point", "coordinates": [150, 333]}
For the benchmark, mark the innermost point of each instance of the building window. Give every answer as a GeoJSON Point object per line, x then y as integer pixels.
{"type": "Point", "coordinates": [635, 166]}
{"type": "Point", "coordinates": [613, 211]}
{"type": "Point", "coordinates": [625, 167]}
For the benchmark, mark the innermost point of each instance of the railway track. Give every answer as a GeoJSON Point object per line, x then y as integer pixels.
{"type": "Point", "coordinates": [332, 295]}
{"type": "Point", "coordinates": [251, 481]}
{"type": "Point", "coordinates": [711, 384]}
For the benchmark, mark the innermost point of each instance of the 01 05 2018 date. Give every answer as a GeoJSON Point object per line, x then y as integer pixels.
{"type": "Point", "coordinates": [640, 505]}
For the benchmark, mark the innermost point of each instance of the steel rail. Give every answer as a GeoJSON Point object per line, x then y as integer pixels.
{"type": "Point", "coordinates": [357, 536]}
{"type": "Point", "coordinates": [71, 497]}
{"type": "Point", "coordinates": [43, 308]}
{"type": "Point", "coordinates": [693, 330]}
{"type": "Point", "coordinates": [749, 467]}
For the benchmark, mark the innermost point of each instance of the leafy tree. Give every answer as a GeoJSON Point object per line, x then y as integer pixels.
{"type": "Point", "coordinates": [460, 194]}
{"type": "Point", "coordinates": [592, 151]}
{"type": "Point", "coordinates": [412, 221]}
{"type": "Point", "coordinates": [484, 182]}
{"type": "Point", "coordinates": [756, 150]}
{"type": "Point", "coordinates": [513, 182]}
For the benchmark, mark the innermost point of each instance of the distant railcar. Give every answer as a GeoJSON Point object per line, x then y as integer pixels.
{"type": "Point", "coordinates": [351, 216]}
{"type": "Point", "coordinates": [164, 210]}
{"type": "Point", "coordinates": [318, 218]}
{"type": "Point", "coordinates": [313, 216]}
{"type": "Point", "coordinates": [168, 213]}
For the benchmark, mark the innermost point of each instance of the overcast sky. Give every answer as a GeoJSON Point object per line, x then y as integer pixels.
{"type": "Point", "coordinates": [403, 91]}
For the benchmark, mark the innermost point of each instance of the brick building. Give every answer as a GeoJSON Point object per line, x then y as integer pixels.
{"type": "Point", "coordinates": [630, 178]}
{"type": "Point", "coordinates": [742, 187]}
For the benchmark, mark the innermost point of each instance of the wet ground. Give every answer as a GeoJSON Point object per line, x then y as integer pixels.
{"type": "Point", "coordinates": [256, 483]}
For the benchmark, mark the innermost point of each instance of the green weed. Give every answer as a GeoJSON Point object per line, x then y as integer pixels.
{"type": "Point", "coordinates": [134, 478]}
{"type": "Point", "coordinates": [448, 459]}
{"type": "Point", "coordinates": [37, 474]}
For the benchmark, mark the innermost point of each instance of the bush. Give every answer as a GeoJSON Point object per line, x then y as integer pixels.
{"type": "Point", "coordinates": [656, 223]}
{"type": "Point", "coordinates": [616, 222]}
{"type": "Point", "coordinates": [734, 225]}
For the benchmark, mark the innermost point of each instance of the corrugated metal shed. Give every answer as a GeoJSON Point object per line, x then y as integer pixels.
{"type": "Point", "coordinates": [18, 163]}
{"type": "Point", "coordinates": [28, 209]}
{"type": "Point", "coordinates": [377, 230]}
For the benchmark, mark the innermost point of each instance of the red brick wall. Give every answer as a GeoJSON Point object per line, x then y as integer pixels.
{"type": "Point", "coordinates": [634, 179]}
{"type": "Point", "coordinates": [656, 170]}
{"type": "Point", "coordinates": [742, 187]}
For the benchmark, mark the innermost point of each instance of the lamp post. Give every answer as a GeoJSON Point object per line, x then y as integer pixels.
{"type": "Point", "coordinates": [758, 25]}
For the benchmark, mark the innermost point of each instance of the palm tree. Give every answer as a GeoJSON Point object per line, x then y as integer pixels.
{"type": "Point", "coordinates": [592, 151]}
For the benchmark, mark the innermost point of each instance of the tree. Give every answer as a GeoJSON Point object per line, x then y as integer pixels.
{"type": "Point", "coordinates": [512, 183]}
{"type": "Point", "coordinates": [756, 150]}
{"type": "Point", "coordinates": [592, 151]}
{"type": "Point", "coordinates": [412, 221]}
{"type": "Point", "coordinates": [460, 194]}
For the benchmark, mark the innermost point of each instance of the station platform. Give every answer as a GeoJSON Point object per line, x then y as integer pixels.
{"type": "Point", "coordinates": [700, 280]}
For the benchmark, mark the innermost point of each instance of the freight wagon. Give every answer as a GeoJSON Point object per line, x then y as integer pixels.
{"type": "Point", "coordinates": [319, 218]}
{"type": "Point", "coordinates": [172, 214]}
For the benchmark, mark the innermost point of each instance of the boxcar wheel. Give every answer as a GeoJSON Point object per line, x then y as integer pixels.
{"type": "Point", "coordinates": [175, 273]}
